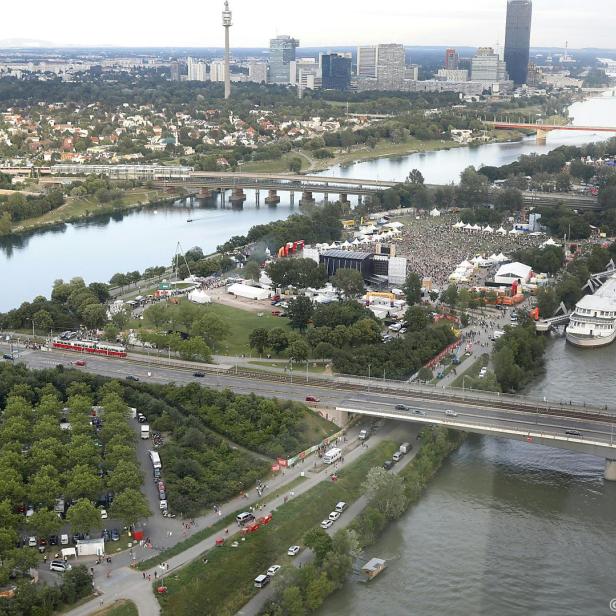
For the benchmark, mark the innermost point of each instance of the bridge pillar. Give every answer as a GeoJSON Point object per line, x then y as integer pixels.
{"type": "Point", "coordinates": [292, 198]}
{"type": "Point", "coordinates": [542, 136]}
{"type": "Point", "coordinates": [610, 470]}
{"type": "Point", "coordinates": [257, 197]}
{"type": "Point", "coordinates": [223, 196]}
{"type": "Point", "coordinates": [307, 198]}
{"type": "Point", "coordinates": [237, 197]}
{"type": "Point", "coordinates": [272, 197]}
{"type": "Point", "coordinates": [344, 199]}
{"type": "Point", "coordinates": [358, 199]}
{"type": "Point", "coordinates": [326, 197]}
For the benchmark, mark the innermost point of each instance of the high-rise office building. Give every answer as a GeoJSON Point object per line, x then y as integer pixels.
{"type": "Point", "coordinates": [335, 71]}
{"type": "Point", "coordinates": [282, 53]}
{"type": "Point", "coordinates": [517, 39]}
{"type": "Point", "coordinates": [175, 71]}
{"type": "Point", "coordinates": [391, 64]}
{"type": "Point", "coordinates": [487, 67]}
{"type": "Point", "coordinates": [305, 73]}
{"type": "Point", "coordinates": [451, 60]}
{"type": "Point", "coordinates": [257, 71]}
{"type": "Point", "coordinates": [367, 61]}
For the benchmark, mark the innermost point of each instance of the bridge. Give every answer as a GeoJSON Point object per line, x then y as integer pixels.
{"type": "Point", "coordinates": [543, 129]}
{"type": "Point", "coordinates": [205, 183]}
{"type": "Point", "coordinates": [577, 426]}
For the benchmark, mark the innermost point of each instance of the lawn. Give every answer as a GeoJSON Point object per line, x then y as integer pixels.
{"type": "Point", "coordinates": [241, 323]}
{"type": "Point", "coordinates": [119, 608]}
{"type": "Point", "coordinates": [225, 583]}
{"type": "Point", "coordinates": [280, 165]}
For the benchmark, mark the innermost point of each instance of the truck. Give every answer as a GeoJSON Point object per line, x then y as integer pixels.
{"type": "Point", "coordinates": [332, 455]}
{"type": "Point", "coordinates": [145, 431]}
{"type": "Point", "coordinates": [156, 463]}
{"type": "Point", "coordinates": [405, 448]}
{"type": "Point", "coordinates": [364, 434]}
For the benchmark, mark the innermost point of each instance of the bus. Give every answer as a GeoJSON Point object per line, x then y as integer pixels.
{"type": "Point", "coordinates": [332, 455]}
{"type": "Point", "coordinates": [156, 463]}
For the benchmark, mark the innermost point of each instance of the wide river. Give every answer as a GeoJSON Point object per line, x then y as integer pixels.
{"type": "Point", "coordinates": [97, 249]}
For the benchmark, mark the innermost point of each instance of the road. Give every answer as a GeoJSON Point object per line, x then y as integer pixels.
{"type": "Point", "coordinates": [402, 433]}
{"type": "Point", "coordinates": [125, 582]}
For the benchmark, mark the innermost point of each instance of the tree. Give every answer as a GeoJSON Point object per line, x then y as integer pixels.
{"type": "Point", "coordinates": [415, 177]}
{"type": "Point", "coordinates": [125, 473]}
{"type": "Point", "coordinates": [425, 374]}
{"type": "Point", "coordinates": [292, 602]}
{"type": "Point", "coordinates": [259, 339]}
{"type": "Point", "coordinates": [450, 295]}
{"type": "Point", "coordinates": [412, 288]}
{"type": "Point", "coordinates": [417, 318]}
{"type": "Point", "coordinates": [83, 482]}
{"type": "Point", "coordinates": [386, 492]}
{"type": "Point", "coordinates": [195, 349]}
{"type": "Point", "coordinates": [45, 522]}
{"type": "Point", "coordinates": [252, 271]}
{"type": "Point", "coordinates": [43, 320]}
{"type": "Point", "coordinates": [319, 542]}
{"type": "Point", "coordinates": [349, 281]}
{"type": "Point", "coordinates": [299, 312]}
{"type": "Point", "coordinates": [295, 165]}
{"type": "Point", "coordinates": [94, 315]}
{"type": "Point", "coordinates": [277, 339]}
{"type": "Point", "coordinates": [298, 350]}
{"type": "Point", "coordinates": [130, 506]}
{"type": "Point", "coordinates": [83, 516]}
{"type": "Point", "coordinates": [473, 189]}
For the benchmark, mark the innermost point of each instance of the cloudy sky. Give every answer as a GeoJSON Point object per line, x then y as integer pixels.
{"type": "Point", "coordinates": [584, 23]}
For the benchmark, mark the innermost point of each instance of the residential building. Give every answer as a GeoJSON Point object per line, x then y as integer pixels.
{"type": "Point", "coordinates": [487, 67]}
{"type": "Point", "coordinates": [367, 61]}
{"type": "Point", "coordinates": [451, 60]}
{"type": "Point", "coordinates": [217, 70]}
{"type": "Point", "coordinates": [517, 39]}
{"type": "Point", "coordinates": [197, 70]}
{"type": "Point", "coordinates": [175, 71]}
{"type": "Point", "coordinates": [335, 71]}
{"type": "Point", "coordinates": [412, 72]}
{"type": "Point", "coordinates": [282, 53]}
{"type": "Point", "coordinates": [257, 71]}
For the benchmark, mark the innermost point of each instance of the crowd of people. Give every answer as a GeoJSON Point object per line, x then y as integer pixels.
{"type": "Point", "coordinates": [434, 248]}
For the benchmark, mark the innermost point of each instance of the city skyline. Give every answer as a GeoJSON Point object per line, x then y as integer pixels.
{"type": "Point", "coordinates": [442, 23]}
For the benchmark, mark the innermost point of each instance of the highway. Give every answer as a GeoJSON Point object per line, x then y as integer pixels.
{"type": "Point", "coordinates": [488, 414]}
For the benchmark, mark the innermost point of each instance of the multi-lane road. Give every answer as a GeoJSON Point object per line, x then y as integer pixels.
{"type": "Point", "coordinates": [560, 426]}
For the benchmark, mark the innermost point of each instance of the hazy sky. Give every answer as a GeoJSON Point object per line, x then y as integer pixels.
{"type": "Point", "coordinates": [584, 23]}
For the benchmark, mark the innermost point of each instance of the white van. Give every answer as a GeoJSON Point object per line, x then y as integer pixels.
{"type": "Point", "coordinates": [261, 581]}
{"type": "Point", "coordinates": [244, 518]}
{"type": "Point", "coordinates": [60, 566]}
{"type": "Point", "coordinates": [332, 455]}
{"type": "Point", "coordinates": [64, 540]}
{"type": "Point", "coordinates": [145, 431]}
{"type": "Point", "coordinates": [340, 507]}
{"type": "Point", "coordinates": [397, 456]}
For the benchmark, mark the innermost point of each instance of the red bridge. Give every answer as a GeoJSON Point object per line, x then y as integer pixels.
{"type": "Point", "coordinates": [544, 129]}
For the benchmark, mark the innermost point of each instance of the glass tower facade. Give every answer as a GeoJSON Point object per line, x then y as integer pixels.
{"type": "Point", "coordinates": [282, 53]}
{"type": "Point", "coordinates": [517, 39]}
{"type": "Point", "coordinates": [335, 71]}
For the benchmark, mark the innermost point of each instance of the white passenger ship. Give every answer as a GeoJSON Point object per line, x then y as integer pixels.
{"type": "Point", "coordinates": [593, 322]}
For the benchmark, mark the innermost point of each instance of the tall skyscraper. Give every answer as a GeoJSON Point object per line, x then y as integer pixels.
{"type": "Point", "coordinates": [175, 71]}
{"type": "Point", "coordinates": [367, 61]}
{"type": "Point", "coordinates": [391, 64]}
{"type": "Point", "coordinates": [335, 71]}
{"type": "Point", "coordinates": [226, 22]}
{"type": "Point", "coordinates": [451, 60]}
{"type": "Point", "coordinates": [282, 53]}
{"type": "Point", "coordinates": [517, 39]}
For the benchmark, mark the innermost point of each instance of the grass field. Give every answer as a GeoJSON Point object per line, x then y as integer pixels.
{"type": "Point", "coordinates": [119, 608]}
{"type": "Point", "coordinates": [241, 323]}
{"type": "Point", "coordinates": [225, 583]}
{"type": "Point", "coordinates": [280, 165]}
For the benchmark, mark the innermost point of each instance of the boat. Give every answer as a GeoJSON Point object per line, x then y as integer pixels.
{"type": "Point", "coordinates": [373, 567]}
{"type": "Point", "coordinates": [593, 322]}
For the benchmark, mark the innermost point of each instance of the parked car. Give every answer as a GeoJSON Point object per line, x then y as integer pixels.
{"type": "Point", "coordinates": [573, 433]}
{"type": "Point", "coordinates": [199, 374]}
{"type": "Point", "coordinates": [419, 412]}
{"type": "Point", "coordinates": [402, 407]}
{"type": "Point", "coordinates": [53, 539]}
{"type": "Point", "coordinates": [388, 465]}
{"type": "Point", "coordinates": [311, 399]}
{"type": "Point", "coordinates": [64, 540]}
{"type": "Point", "coordinates": [293, 550]}
{"type": "Point", "coordinates": [334, 515]}
{"type": "Point", "coordinates": [262, 580]}
{"type": "Point", "coordinates": [60, 566]}
{"type": "Point", "coordinates": [397, 456]}
{"type": "Point", "coordinates": [130, 377]}
{"type": "Point", "coordinates": [327, 523]}
{"type": "Point", "coordinates": [115, 534]}
{"type": "Point", "coordinates": [8, 357]}
{"type": "Point", "coordinates": [273, 570]}
{"type": "Point", "coordinates": [340, 507]}
{"type": "Point", "coordinates": [32, 542]}
{"type": "Point", "coordinates": [103, 514]}
{"type": "Point", "coordinates": [450, 413]}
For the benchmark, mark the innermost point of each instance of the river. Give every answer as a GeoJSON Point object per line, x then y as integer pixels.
{"type": "Point", "coordinates": [97, 249]}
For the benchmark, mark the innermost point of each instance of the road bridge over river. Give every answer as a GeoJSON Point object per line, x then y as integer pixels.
{"type": "Point", "coordinates": [574, 425]}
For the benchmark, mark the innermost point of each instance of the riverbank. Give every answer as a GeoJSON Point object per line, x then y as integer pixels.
{"type": "Point", "coordinates": [82, 209]}
{"type": "Point", "coordinates": [363, 153]}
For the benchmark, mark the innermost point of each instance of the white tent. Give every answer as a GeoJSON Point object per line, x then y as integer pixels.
{"type": "Point", "coordinates": [501, 257]}
{"type": "Point", "coordinates": [468, 227]}
{"type": "Point", "coordinates": [488, 229]}
{"type": "Point", "coordinates": [198, 296]}
{"type": "Point", "coordinates": [501, 231]}
{"type": "Point", "coordinates": [394, 225]}
{"type": "Point", "coordinates": [550, 242]}
{"type": "Point", "coordinates": [435, 212]}
{"type": "Point", "coordinates": [243, 290]}
{"type": "Point", "coordinates": [476, 227]}
{"type": "Point", "coordinates": [515, 232]}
